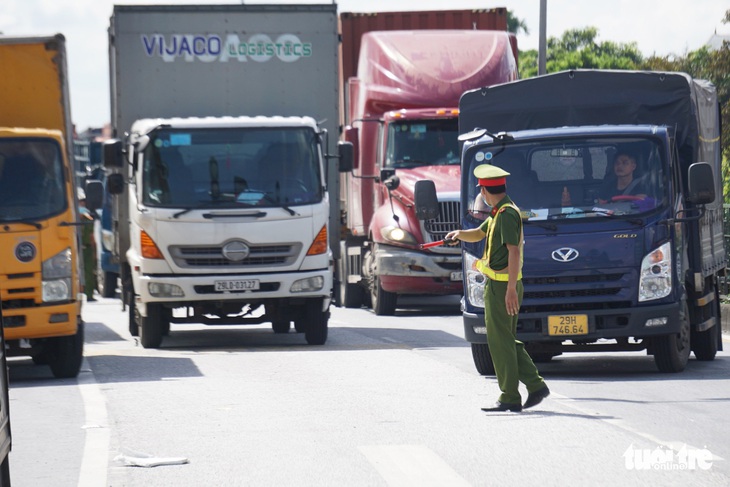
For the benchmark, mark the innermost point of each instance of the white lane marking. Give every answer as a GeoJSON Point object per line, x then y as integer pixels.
{"type": "Point", "coordinates": [95, 459]}
{"type": "Point", "coordinates": [676, 446]}
{"type": "Point", "coordinates": [408, 465]}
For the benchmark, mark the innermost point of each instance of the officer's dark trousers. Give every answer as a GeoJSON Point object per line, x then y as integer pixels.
{"type": "Point", "coordinates": [511, 361]}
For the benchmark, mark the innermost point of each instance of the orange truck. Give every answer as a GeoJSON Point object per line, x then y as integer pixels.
{"type": "Point", "coordinates": [40, 267]}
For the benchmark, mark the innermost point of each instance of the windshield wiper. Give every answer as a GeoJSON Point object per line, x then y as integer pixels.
{"type": "Point", "coordinates": [543, 224]}
{"type": "Point", "coordinates": [273, 201]}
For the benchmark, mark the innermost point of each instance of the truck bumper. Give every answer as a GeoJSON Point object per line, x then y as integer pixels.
{"type": "Point", "coordinates": [41, 321]}
{"type": "Point", "coordinates": [201, 287]}
{"type": "Point", "coordinates": [608, 324]}
{"type": "Point", "coordinates": [403, 271]}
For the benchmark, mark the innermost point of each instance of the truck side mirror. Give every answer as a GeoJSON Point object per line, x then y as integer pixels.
{"type": "Point", "coordinates": [389, 179]}
{"type": "Point", "coordinates": [352, 135]}
{"type": "Point", "coordinates": [115, 183]}
{"type": "Point", "coordinates": [346, 154]}
{"type": "Point", "coordinates": [427, 204]}
{"type": "Point", "coordinates": [701, 184]}
{"type": "Point", "coordinates": [113, 154]}
{"type": "Point", "coordinates": [94, 190]}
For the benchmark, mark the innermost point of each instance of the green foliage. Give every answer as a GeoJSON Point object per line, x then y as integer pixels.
{"type": "Point", "coordinates": [578, 49]}
{"type": "Point", "coordinates": [516, 25]}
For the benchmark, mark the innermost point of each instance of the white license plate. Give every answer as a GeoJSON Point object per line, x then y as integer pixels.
{"type": "Point", "coordinates": [237, 285]}
{"type": "Point", "coordinates": [457, 276]}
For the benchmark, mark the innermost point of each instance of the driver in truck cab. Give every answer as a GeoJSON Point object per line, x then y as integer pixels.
{"type": "Point", "coordinates": [625, 182]}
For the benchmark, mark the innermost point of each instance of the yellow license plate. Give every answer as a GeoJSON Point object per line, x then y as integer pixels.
{"type": "Point", "coordinates": [568, 325]}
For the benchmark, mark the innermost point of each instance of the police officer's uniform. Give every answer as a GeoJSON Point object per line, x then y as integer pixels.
{"type": "Point", "coordinates": [512, 363]}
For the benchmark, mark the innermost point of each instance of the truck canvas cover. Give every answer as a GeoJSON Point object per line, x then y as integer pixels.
{"type": "Point", "coordinates": [587, 97]}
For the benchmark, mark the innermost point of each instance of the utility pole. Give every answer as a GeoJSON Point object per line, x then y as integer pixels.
{"type": "Point", "coordinates": [542, 42]}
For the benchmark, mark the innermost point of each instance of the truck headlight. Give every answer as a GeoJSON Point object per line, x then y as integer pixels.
{"type": "Point", "coordinates": [164, 290]}
{"type": "Point", "coordinates": [397, 235]}
{"type": "Point", "coordinates": [309, 284]}
{"type": "Point", "coordinates": [474, 281]}
{"type": "Point", "coordinates": [56, 277]}
{"type": "Point", "coordinates": [655, 278]}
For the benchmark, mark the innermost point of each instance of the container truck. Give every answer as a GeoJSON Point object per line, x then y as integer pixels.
{"type": "Point", "coordinates": [635, 271]}
{"type": "Point", "coordinates": [222, 185]}
{"type": "Point", "coordinates": [40, 269]}
{"type": "Point", "coordinates": [402, 121]}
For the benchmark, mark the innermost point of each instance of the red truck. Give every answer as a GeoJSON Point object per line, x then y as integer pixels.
{"type": "Point", "coordinates": [403, 122]}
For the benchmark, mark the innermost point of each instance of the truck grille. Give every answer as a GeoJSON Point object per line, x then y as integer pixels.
{"type": "Point", "coordinates": [574, 293]}
{"type": "Point", "coordinates": [274, 255]}
{"type": "Point", "coordinates": [448, 220]}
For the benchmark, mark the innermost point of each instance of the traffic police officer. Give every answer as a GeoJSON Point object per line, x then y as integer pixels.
{"type": "Point", "coordinates": [502, 266]}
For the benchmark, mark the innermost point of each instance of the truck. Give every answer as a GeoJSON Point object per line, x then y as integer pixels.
{"type": "Point", "coordinates": [637, 271]}
{"type": "Point", "coordinates": [40, 269]}
{"type": "Point", "coordinates": [221, 187]}
{"type": "Point", "coordinates": [402, 121]}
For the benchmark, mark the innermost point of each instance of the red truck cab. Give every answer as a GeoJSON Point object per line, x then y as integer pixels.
{"type": "Point", "coordinates": [404, 126]}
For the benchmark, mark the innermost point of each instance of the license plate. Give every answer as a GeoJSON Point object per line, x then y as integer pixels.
{"type": "Point", "coordinates": [237, 285]}
{"type": "Point", "coordinates": [457, 276]}
{"type": "Point", "coordinates": [568, 325]}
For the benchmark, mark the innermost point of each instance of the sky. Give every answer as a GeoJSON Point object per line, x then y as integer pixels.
{"type": "Point", "coordinates": [661, 27]}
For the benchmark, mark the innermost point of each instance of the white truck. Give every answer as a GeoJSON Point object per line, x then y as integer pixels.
{"type": "Point", "coordinates": [222, 182]}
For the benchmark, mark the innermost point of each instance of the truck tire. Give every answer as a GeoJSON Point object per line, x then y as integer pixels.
{"type": "Point", "coordinates": [280, 326]}
{"type": "Point", "coordinates": [151, 327]}
{"type": "Point", "coordinates": [482, 358]}
{"type": "Point", "coordinates": [108, 284]}
{"type": "Point", "coordinates": [65, 354]}
{"type": "Point", "coordinates": [133, 318]}
{"type": "Point", "coordinates": [671, 352]}
{"type": "Point", "coordinates": [315, 326]}
{"type": "Point", "coordinates": [350, 295]}
{"type": "Point", "coordinates": [383, 302]}
{"type": "Point", "coordinates": [705, 343]}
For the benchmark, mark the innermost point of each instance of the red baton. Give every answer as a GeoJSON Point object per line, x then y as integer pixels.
{"type": "Point", "coordinates": [432, 244]}
{"type": "Point", "coordinates": [437, 243]}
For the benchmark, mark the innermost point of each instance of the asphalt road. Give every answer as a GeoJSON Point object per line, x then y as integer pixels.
{"type": "Point", "coordinates": [387, 401]}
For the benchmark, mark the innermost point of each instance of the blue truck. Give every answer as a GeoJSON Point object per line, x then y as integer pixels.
{"type": "Point", "coordinates": [628, 272]}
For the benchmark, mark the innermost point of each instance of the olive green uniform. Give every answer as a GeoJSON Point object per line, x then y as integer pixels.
{"type": "Point", "coordinates": [512, 363]}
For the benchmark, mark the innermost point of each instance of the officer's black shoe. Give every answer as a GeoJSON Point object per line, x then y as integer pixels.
{"type": "Point", "coordinates": [535, 398]}
{"type": "Point", "coordinates": [503, 406]}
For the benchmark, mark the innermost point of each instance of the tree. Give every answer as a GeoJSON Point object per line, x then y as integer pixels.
{"type": "Point", "coordinates": [578, 48]}
{"type": "Point", "coordinates": [516, 25]}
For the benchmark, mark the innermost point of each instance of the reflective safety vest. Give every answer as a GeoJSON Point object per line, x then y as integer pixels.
{"type": "Point", "coordinates": [483, 264]}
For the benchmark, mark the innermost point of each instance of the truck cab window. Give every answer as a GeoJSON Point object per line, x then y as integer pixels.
{"type": "Point", "coordinates": [422, 143]}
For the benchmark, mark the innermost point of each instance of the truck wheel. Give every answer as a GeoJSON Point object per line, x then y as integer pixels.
{"type": "Point", "coordinates": [65, 354]}
{"type": "Point", "coordinates": [383, 302]}
{"type": "Point", "coordinates": [315, 328]}
{"type": "Point", "coordinates": [280, 326]}
{"type": "Point", "coordinates": [671, 352]}
{"type": "Point", "coordinates": [108, 284]}
{"type": "Point", "coordinates": [151, 327]}
{"type": "Point", "coordinates": [482, 358]}
{"type": "Point", "coordinates": [133, 318]}
{"type": "Point", "coordinates": [705, 343]}
{"type": "Point", "coordinates": [350, 295]}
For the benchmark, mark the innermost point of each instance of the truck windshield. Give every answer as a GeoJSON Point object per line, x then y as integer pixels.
{"type": "Point", "coordinates": [31, 179]}
{"type": "Point", "coordinates": [413, 143]}
{"type": "Point", "coordinates": [576, 179]}
{"type": "Point", "coordinates": [232, 168]}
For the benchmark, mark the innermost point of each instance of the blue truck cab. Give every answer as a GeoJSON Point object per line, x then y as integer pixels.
{"type": "Point", "coordinates": [604, 269]}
